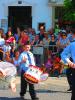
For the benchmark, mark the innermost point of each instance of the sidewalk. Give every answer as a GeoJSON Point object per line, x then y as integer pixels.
{"type": "Point", "coordinates": [61, 81]}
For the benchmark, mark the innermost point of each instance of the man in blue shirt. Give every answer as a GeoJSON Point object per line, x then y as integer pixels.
{"type": "Point", "coordinates": [69, 52]}
{"type": "Point", "coordinates": [26, 58]}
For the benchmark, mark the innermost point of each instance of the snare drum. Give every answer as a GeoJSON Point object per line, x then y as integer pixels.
{"type": "Point", "coordinates": [33, 74]}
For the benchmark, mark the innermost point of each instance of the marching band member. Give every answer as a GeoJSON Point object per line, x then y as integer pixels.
{"type": "Point", "coordinates": [69, 52]}
{"type": "Point", "coordinates": [8, 72]}
{"type": "Point", "coordinates": [26, 58]}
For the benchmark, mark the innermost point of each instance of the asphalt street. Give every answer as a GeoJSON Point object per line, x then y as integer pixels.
{"type": "Point", "coordinates": [52, 89]}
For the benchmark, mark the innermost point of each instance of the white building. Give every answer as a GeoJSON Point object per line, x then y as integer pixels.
{"type": "Point", "coordinates": [30, 13]}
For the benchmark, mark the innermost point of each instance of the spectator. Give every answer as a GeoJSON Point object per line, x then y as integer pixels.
{"type": "Point", "coordinates": [7, 57]}
{"type": "Point", "coordinates": [15, 60]}
{"type": "Point", "coordinates": [52, 45]}
{"type": "Point", "coordinates": [62, 42]}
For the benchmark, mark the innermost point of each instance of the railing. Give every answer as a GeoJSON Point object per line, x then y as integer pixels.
{"type": "Point", "coordinates": [42, 52]}
{"type": "Point", "coordinates": [56, 2]}
{"type": "Point", "coordinates": [40, 49]}
{"type": "Point", "coordinates": [52, 1]}
{"type": "Point", "coordinates": [42, 56]}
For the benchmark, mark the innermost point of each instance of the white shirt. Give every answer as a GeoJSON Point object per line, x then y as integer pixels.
{"type": "Point", "coordinates": [27, 63]}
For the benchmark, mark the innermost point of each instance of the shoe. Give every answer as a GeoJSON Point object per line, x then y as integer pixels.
{"type": "Point", "coordinates": [69, 90]}
{"type": "Point", "coordinates": [35, 98]}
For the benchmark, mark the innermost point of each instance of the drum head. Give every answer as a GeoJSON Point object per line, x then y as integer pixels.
{"type": "Point", "coordinates": [35, 75]}
{"type": "Point", "coordinates": [44, 77]}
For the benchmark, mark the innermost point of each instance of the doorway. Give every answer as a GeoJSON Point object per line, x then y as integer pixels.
{"type": "Point", "coordinates": [19, 16]}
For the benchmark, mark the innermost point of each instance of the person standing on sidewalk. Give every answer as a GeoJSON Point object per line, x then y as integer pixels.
{"type": "Point", "coordinates": [26, 58]}
{"type": "Point", "coordinates": [69, 52]}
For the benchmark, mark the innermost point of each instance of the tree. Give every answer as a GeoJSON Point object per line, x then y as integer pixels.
{"type": "Point", "coordinates": [69, 7]}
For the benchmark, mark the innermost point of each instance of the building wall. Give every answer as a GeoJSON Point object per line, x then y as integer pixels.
{"type": "Point", "coordinates": [41, 12]}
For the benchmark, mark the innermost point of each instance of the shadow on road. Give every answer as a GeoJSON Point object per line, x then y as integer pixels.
{"type": "Point", "coordinates": [7, 98]}
{"type": "Point", "coordinates": [50, 91]}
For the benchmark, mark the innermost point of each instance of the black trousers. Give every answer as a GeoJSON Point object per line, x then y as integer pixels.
{"type": "Point", "coordinates": [73, 85]}
{"type": "Point", "coordinates": [69, 76]}
{"type": "Point", "coordinates": [24, 87]}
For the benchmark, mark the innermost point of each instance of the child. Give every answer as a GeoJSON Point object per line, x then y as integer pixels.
{"type": "Point", "coordinates": [7, 57]}
{"type": "Point", "coordinates": [15, 60]}
{"type": "Point", "coordinates": [57, 65]}
{"type": "Point", "coordinates": [49, 65]}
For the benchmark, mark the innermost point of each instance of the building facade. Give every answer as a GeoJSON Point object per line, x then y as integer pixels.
{"type": "Point", "coordinates": [30, 13]}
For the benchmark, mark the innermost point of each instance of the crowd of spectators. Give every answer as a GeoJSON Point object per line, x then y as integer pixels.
{"type": "Point", "coordinates": [53, 41]}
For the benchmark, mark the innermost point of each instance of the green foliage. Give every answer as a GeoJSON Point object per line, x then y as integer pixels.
{"type": "Point", "coordinates": [69, 14]}
{"type": "Point", "coordinates": [67, 4]}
